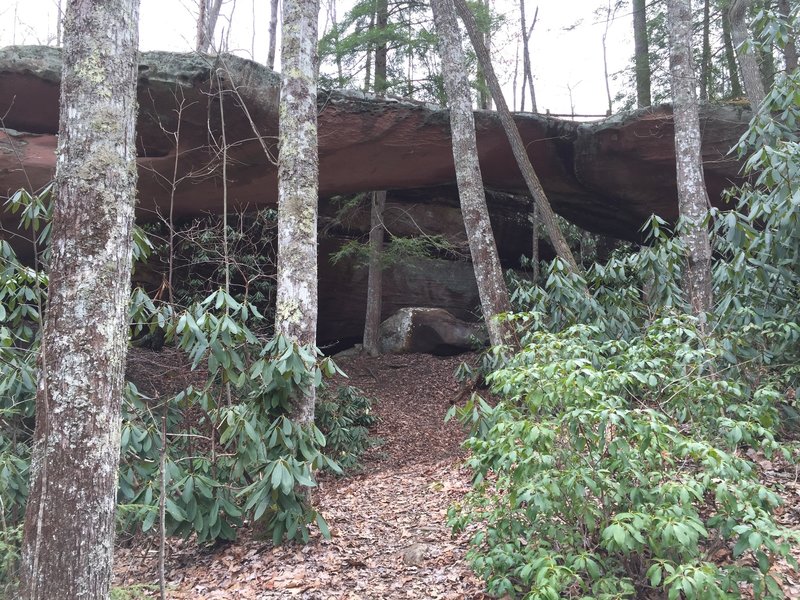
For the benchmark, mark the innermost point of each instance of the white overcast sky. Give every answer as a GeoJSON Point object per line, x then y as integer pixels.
{"type": "Point", "coordinates": [566, 45]}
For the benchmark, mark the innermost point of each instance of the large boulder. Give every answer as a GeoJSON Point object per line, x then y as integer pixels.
{"type": "Point", "coordinates": [430, 331]}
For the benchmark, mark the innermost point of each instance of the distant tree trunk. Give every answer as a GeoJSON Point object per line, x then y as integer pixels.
{"type": "Point", "coordinates": [692, 195]}
{"type": "Point", "coordinates": [766, 64]}
{"type": "Point", "coordinates": [790, 48]}
{"type": "Point", "coordinates": [207, 23]}
{"type": "Point", "coordinates": [641, 54]}
{"type": "Point", "coordinates": [68, 540]}
{"type": "Point", "coordinates": [705, 61]}
{"type": "Point", "coordinates": [298, 180]}
{"type": "Point", "coordinates": [604, 38]}
{"type": "Point", "coordinates": [488, 273]}
{"type": "Point", "coordinates": [515, 140]}
{"type": "Point", "coordinates": [273, 32]}
{"type": "Point", "coordinates": [381, 47]}
{"type": "Point", "coordinates": [535, 241]}
{"type": "Point", "coordinates": [751, 73]}
{"type": "Point", "coordinates": [59, 17]}
{"type": "Point", "coordinates": [368, 76]}
{"type": "Point", "coordinates": [730, 57]}
{"type": "Point", "coordinates": [526, 55]}
{"type": "Point", "coordinates": [372, 322]}
{"type": "Point", "coordinates": [484, 97]}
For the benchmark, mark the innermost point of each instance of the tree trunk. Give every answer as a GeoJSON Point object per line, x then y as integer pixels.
{"type": "Point", "coordinates": [748, 63]}
{"type": "Point", "coordinates": [642, 54]}
{"type": "Point", "coordinates": [488, 273]}
{"type": "Point", "coordinates": [273, 32]}
{"type": "Point", "coordinates": [526, 55]}
{"type": "Point", "coordinates": [517, 145]}
{"type": "Point", "coordinates": [604, 39]}
{"type": "Point", "coordinates": [692, 195]}
{"type": "Point", "coordinates": [766, 64]}
{"type": "Point", "coordinates": [68, 540]}
{"type": "Point", "coordinates": [705, 61]}
{"type": "Point", "coordinates": [298, 170]}
{"type": "Point", "coordinates": [730, 57]}
{"type": "Point", "coordinates": [535, 242]}
{"type": "Point", "coordinates": [790, 47]}
{"type": "Point", "coordinates": [207, 23]}
{"type": "Point", "coordinates": [372, 321]}
{"type": "Point", "coordinates": [485, 98]}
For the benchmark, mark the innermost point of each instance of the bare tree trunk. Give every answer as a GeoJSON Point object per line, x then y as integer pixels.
{"type": "Point", "coordinates": [766, 63]}
{"type": "Point", "coordinates": [68, 540]}
{"type": "Point", "coordinates": [488, 273]}
{"type": "Point", "coordinates": [535, 241]}
{"type": "Point", "coordinates": [641, 53]}
{"type": "Point", "coordinates": [59, 18]}
{"type": "Point", "coordinates": [730, 57]}
{"type": "Point", "coordinates": [368, 68]}
{"type": "Point", "coordinates": [273, 32]}
{"type": "Point", "coordinates": [484, 97]}
{"type": "Point", "coordinates": [207, 23]}
{"type": "Point", "coordinates": [372, 321]}
{"type": "Point", "coordinates": [790, 47]}
{"type": "Point", "coordinates": [609, 17]}
{"type": "Point", "coordinates": [692, 195]}
{"type": "Point", "coordinates": [517, 146]}
{"type": "Point", "coordinates": [748, 63]}
{"type": "Point", "coordinates": [526, 55]}
{"type": "Point", "coordinates": [705, 61]}
{"type": "Point", "coordinates": [298, 181]}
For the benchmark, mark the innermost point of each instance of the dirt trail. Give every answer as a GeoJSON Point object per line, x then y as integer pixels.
{"type": "Point", "coordinates": [388, 524]}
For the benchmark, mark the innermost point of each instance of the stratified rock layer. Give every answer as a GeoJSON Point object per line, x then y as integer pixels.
{"type": "Point", "coordinates": [607, 177]}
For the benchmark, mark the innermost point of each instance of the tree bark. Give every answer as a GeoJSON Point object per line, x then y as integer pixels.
{"type": "Point", "coordinates": [730, 57]}
{"type": "Point", "coordinates": [68, 540]}
{"type": "Point", "coordinates": [535, 242]}
{"type": "Point", "coordinates": [641, 53]}
{"type": "Point", "coordinates": [604, 39]}
{"type": "Point", "coordinates": [207, 23]}
{"type": "Point", "coordinates": [488, 273]}
{"type": "Point", "coordinates": [517, 145]}
{"type": "Point", "coordinates": [705, 60]}
{"type": "Point", "coordinates": [526, 56]}
{"type": "Point", "coordinates": [748, 63]}
{"type": "Point", "coordinates": [298, 180]}
{"type": "Point", "coordinates": [790, 47]}
{"type": "Point", "coordinates": [273, 32]}
{"type": "Point", "coordinates": [692, 195]}
{"type": "Point", "coordinates": [372, 321]}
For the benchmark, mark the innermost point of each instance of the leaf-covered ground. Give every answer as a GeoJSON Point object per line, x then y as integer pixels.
{"type": "Point", "coordinates": [388, 522]}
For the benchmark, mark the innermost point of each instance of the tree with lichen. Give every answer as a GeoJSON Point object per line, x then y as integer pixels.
{"type": "Point", "coordinates": [298, 182]}
{"type": "Point", "coordinates": [488, 273]}
{"type": "Point", "coordinates": [69, 522]}
{"type": "Point", "coordinates": [693, 200]}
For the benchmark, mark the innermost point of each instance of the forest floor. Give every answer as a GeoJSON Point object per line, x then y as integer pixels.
{"type": "Point", "coordinates": [389, 536]}
{"type": "Point", "coordinates": [388, 521]}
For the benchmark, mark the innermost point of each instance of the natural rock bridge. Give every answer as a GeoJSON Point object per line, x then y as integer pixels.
{"type": "Point", "coordinates": [607, 177]}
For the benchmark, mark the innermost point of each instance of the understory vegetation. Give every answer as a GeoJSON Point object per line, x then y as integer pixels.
{"type": "Point", "coordinates": [619, 460]}
{"type": "Point", "coordinates": [225, 443]}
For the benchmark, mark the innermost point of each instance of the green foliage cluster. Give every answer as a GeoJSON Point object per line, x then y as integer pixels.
{"type": "Point", "coordinates": [618, 462]}
{"type": "Point", "coordinates": [230, 450]}
{"type": "Point", "coordinates": [616, 468]}
{"type": "Point", "coordinates": [346, 418]}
